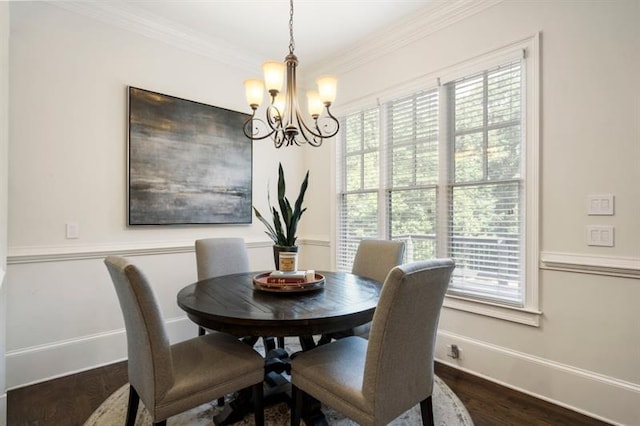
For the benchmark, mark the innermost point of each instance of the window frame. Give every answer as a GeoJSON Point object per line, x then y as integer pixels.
{"type": "Point", "coordinates": [529, 313]}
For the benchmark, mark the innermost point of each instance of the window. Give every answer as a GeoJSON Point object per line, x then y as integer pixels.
{"type": "Point", "coordinates": [412, 137]}
{"type": "Point", "coordinates": [485, 186]}
{"type": "Point", "coordinates": [360, 182]}
{"type": "Point", "coordinates": [451, 170]}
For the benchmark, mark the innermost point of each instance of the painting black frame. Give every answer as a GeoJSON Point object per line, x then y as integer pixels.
{"type": "Point", "coordinates": [188, 163]}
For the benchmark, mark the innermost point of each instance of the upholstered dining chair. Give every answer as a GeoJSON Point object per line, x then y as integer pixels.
{"type": "Point", "coordinates": [374, 381]}
{"type": "Point", "coordinates": [220, 256]}
{"type": "Point", "coordinates": [171, 379]}
{"type": "Point", "coordinates": [374, 259]}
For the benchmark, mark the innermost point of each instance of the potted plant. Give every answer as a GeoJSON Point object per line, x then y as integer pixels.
{"type": "Point", "coordinates": [285, 222]}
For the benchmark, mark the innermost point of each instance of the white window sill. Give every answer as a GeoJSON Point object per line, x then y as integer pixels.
{"type": "Point", "coordinates": [508, 313]}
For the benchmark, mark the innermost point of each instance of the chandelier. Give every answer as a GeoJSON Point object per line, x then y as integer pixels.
{"type": "Point", "coordinates": [283, 121]}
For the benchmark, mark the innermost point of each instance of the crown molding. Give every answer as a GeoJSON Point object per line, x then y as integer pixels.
{"type": "Point", "coordinates": [126, 16]}
{"type": "Point", "coordinates": [384, 41]}
{"type": "Point", "coordinates": [399, 34]}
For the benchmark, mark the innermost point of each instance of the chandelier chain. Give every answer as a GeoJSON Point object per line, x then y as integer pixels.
{"type": "Point", "coordinates": [292, 43]}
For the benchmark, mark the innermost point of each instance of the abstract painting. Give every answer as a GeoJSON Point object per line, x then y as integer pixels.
{"type": "Point", "coordinates": [188, 163]}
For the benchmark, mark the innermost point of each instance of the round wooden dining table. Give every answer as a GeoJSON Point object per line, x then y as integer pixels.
{"type": "Point", "coordinates": [231, 304]}
{"type": "Point", "coordinates": [234, 305]}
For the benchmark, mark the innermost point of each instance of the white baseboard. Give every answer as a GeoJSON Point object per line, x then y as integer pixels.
{"type": "Point", "coordinates": [596, 395]}
{"type": "Point", "coordinates": [602, 397]}
{"type": "Point", "coordinates": [38, 364]}
{"type": "Point", "coordinates": [3, 409]}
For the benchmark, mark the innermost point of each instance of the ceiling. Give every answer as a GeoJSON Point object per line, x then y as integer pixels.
{"type": "Point", "coordinates": [330, 35]}
{"type": "Point", "coordinates": [321, 27]}
{"type": "Point", "coordinates": [260, 28]}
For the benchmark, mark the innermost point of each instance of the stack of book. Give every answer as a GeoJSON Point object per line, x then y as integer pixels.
{"type": "Point", "coordinates": [288, 282]}
{"type": "Point", "coordinates": [293, 277]}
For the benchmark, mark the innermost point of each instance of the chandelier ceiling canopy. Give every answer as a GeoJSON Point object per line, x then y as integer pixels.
{"type": "Point", "coordinates": [284, 122]}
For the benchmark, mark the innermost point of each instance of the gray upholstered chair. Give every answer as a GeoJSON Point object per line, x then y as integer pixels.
{"type": "Point", "coordinates": [224, 256]}
{"type": "Point", "coordinates": [220, 256]}
{"type": "Point", "coordinates": [374, 259]}
{"type": "Point", "coordinates": [374, 381]}
{"type": "Point", "coordinates": [171, 379]}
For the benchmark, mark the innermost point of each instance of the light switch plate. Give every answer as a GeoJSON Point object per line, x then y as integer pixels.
{"type": "Point", "coordinates": [72, 230]}
{"type": "Point", "coordinates": [600, 235]}
{"type": "Point", "coordinates": [600, 205]}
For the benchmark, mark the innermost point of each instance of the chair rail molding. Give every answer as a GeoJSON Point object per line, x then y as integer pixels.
{"type": "Point", "coordinates": [627, 267]}
{"type": "Point", "coordinates": [39, 254]}
{"type": "Point", "coordinates": [18, 255]}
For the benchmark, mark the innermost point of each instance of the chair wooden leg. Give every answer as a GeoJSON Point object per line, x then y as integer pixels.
{"type": "Point", "coordinates": [132, 408]}
{"type": "Point", "coordinates": [281, 342]}
{"type": "Point", "coordinates": [296, 408]}
{"type": "Point", "coordinates": [426, 410]}
{"type": "Point", "coordinates": [258, 404]}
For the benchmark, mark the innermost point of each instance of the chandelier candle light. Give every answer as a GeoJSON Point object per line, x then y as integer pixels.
{"type": "Point", "coordinates": [284, 122]}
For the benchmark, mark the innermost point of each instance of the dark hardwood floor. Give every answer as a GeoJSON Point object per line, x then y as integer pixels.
{"type": "Point", "coordinates": [67, 401]}
{"type": "Point", "coordinates": [70, 400]}
{"type": "Point", "coordinates": [491, 404]}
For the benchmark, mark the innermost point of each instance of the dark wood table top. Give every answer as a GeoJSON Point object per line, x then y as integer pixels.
{"type": "Point", "coordinates": [232, 305]}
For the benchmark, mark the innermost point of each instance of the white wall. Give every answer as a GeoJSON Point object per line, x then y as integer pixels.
{"type": "Point", "coordinates": [67, 163]}
{"type": "Point", "coordinates": [585, 352]}
{"type": "Point", "coordinates": [4, 165]}
{"type": "Point", "coordinates": [74, 114]}
{"type": "Point", "coordinates": [4, 129]}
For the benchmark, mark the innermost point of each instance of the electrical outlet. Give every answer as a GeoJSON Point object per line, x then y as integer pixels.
{"type": "Point", "coordinates": [453, 351]}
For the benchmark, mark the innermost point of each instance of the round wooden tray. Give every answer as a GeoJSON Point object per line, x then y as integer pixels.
{"type": "Point", "coordinates": [260, 283]}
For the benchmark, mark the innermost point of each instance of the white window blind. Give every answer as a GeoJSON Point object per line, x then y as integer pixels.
{"type": "Point", "coordinates": [412, 144]}
{"type": "Point", "coordinates": [486, 190]}
{"type": "Point", "coordinates": [359, 183]}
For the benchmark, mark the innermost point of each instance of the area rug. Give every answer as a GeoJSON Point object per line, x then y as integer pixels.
{"type": "Point", "coordinates": [447, 410]}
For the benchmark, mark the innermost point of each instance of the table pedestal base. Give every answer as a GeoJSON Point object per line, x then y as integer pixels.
{"type": "Point", "coordinates": [277, 388]}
